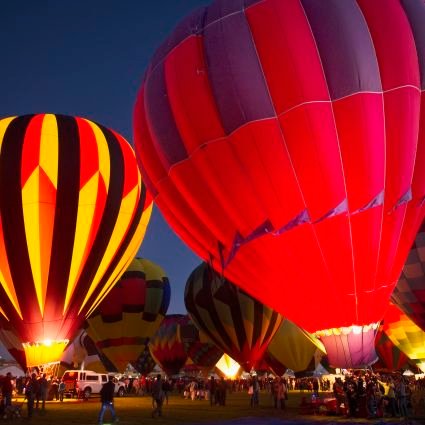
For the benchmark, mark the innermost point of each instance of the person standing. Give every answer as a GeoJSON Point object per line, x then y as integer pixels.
{"type": "Point", "coordinates": [31, 389]}
{"type": "Point", "coordinates": [107, 400]}
{"type": "Point", "coordinates": [7, 389]}
{"type": "Point", "coordinates": [61, 389]}
{"type": "Point", "coordinates": [43, 389]}
{"type": "Point", "coordinates": [157, 396]}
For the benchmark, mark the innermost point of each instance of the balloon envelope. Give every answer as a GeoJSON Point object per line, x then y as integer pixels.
{"type": "Point", "coordinates": [292, 348]}
{"type": "Point", "coordinates": [409, 294]}
{"type": "Point", "coordinates": [237, 323]}
{"type": "Point", "coordinates": [405, 335]}
{"type": "Point", "coordinates": [284, 142]}
{"type": "Point", "coordinates": [166, 346]}
{"type": "Point", "coordinates": [73, 213]}
{"type": "Point", "coordinates": [202, 352]}
{"type": "Point", "coordinates": [131, 313]}
{"type": "Point", "coordinates": [390, 357]}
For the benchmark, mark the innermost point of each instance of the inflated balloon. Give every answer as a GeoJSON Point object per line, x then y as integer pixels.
{"type": "Point", "coordinates": [203, 353]}
{"type": "Point", "coordinates": [292, 348]}
{"type": "Point", "coordinates": [234, 321]}
{"type": "Point", "coordinates": [166, 346]}
{"type": "Point", "coordinates": [227, 367]}
{"type": "Point", "coordinates": [131, 313]}
{"type": "Point", "coordinates": [284, 142]}
{"type": "Point", "coordinates": [409, 294]}
{"type": "Point", "coordinates": [405, 335]}
{"type": "Point", "coordinates": [82, 353]}
{"type": "Point", "coordinates": [390, 357]}
{"type": "Point", "coordinates": [73, 214]}
{"type": "Point", "coordinates": [144, 364]}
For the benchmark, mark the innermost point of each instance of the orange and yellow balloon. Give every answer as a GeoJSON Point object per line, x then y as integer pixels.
{"type": "Point", "coordinates": [73, 212]}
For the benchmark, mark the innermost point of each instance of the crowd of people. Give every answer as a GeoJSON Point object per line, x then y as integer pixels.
{"type": "Point", "coordinates": [362, 394]}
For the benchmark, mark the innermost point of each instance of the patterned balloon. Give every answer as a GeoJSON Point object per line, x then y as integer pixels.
{"type": "Point", "coordinates": [145, 363]}
{"type": "Point", "coordinates": [405, 335]}
{"type": "Point", "coordinates": [73, 214]}
{"type": "Point", "coordinates": [390, 357]}
{"type": "Point", "coordinates": [166, 346]}
{"type": "Point", "coordinates": [234, 321]}
{"type": "Point", "coordinates": [409, 294]}
{"type": "Point", "coordinates": [131, 313]}
{"type": "Point", "coordinates": [201, 351]}
{"type": "Point", "coordinates": [284, 141]}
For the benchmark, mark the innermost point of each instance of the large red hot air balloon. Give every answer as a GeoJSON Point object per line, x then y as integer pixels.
{"type": "Point", "coordinates": [73, 214]}
{"type": "Point", "coordinates": [234, 321]}
{"type": "Point", "coordinates": [284, 142]}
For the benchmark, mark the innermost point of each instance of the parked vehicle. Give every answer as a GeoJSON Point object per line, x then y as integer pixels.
{"type": "Point", "coordinates": [84, 383]}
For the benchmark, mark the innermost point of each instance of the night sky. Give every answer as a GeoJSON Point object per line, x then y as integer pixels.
{"type": "Point", "coordinates": [87, 58]}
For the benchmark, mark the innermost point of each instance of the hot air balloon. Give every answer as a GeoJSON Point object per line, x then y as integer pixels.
{"type": "Point", "coordinates": [144, 364]}
{"type": "Point", "coordinates": [284, 142]}
{"type": "Point", "coordinates": [405, 335]}
{"type": "Point", "coordinates": [390, 357]}
{"type": "Point", "coordinates": [234, 321]}
{"type": "Point", "coordinates": [409, 294]}
{"type": "Point", "coordinates": [131, 313]}
{"type": "Point", "coordinates": [293, 348]}
{"type": "Point", "coordinates": [202, 352]}
{"type": "Point", "coordinates": [73, 214]}
{"type": "Point", "coordinates": [82, 353]}
{"type": "Point", "coordinates": [166, 346]}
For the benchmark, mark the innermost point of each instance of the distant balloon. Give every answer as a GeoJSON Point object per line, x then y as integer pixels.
{"type": "Point", "coordinates": [284, 142]}
{"type": "Point", "coordinates": [166, 346]}
{"type": "Point", "coordinates": [390, 357]}
{"type": "Point", "coordinates": [131, 313]}
{"type": "Point", "coordinates": [293, 348]}
{"type": "Point", "coordinates": [234, 321]}
{"type": "Point", "coordinates": [405, 335]}
{"type": "Point", "coordinates": [73, 214]}
{"type": "Point", "coordinates": [81, 353]}
{"type": "Point", "coordinates": [409, 294]}
{"type": "Point", "coordinates": [203, 353]}
{"type": "Point", "coordinates": [145, 363]}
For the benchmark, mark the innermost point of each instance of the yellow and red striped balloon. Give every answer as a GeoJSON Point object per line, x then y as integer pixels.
{"type": "Point", "coordinates": [73, 214]}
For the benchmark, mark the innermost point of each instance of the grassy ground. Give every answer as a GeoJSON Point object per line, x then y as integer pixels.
{"type": "Point", "coordinates": [137, 410]}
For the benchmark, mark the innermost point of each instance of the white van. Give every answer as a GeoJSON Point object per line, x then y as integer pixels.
{"type": "Point", "coordinates": [84, 383]}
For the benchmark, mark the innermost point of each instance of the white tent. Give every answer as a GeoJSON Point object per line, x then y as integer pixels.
{"type": "Point", "coordinates": [13, 369]}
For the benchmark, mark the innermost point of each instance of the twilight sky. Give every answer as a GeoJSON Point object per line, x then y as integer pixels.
{"type": "Point", "coordinates": [87, 58]}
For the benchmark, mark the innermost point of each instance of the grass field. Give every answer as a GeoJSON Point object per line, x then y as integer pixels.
{"type": "Point", "coordinates": [137, 410]}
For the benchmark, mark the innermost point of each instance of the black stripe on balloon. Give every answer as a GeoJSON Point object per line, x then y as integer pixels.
{"type": "Point", "coordinates": [11, 212]}
{"type": "Point", "coordinates": [124, 244]}
{"type": "Point", "coordinates": [202, 277]}
{"type": "Point", "coordinates": [229, 295]}
{"type": "Point", "coordinates": [271, 328]}
{"type": "Point", "coordinates": [258, 323]}
{"type": "Point", "coordinates": [66, 213]}
{"type": "Point", "coordinates": [133, 274]}
{"type": "Point", "coordinates": [107, 224]}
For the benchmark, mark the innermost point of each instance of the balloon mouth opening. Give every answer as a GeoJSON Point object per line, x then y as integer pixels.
{"type": "Point", "coordinates": [346, 330]}
{"type": "Point", "coordinates": [44, 352]}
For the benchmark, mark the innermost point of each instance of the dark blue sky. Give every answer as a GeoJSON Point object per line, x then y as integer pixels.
{"type": "Point", "coordinates": [87, 58]}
